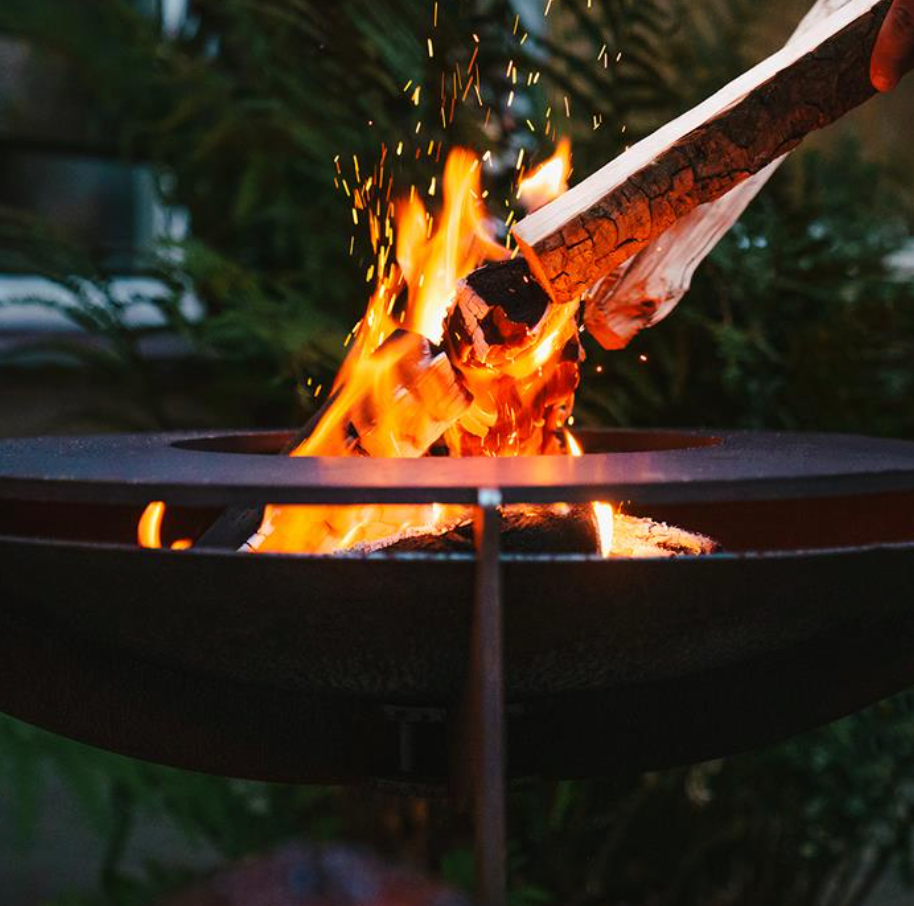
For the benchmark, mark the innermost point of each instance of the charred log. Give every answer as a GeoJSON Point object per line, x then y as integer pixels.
{"type": "Point", "coordinates": [646, 288]}
{"type": "Point", "coordinates": [587, 233]}
{"type": "Point", "coordinates": [498, 306]}
{"type": "Point", "coordinates": [558, 529]}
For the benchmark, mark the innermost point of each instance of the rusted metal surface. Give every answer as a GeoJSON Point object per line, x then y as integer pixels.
{"type": "Point", "coordinates": [656, 468]}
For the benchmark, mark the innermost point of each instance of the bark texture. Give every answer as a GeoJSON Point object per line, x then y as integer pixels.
{"type": "Point", "coordinates": [648, 287]}
{"type": "Point", "coordinates": [757, 129]}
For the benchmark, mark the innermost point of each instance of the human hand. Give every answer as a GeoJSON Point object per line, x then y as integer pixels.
{"type": "Point", "coordinates": [893, 55]}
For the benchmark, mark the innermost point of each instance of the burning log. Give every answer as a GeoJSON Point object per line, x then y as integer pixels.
{"type": "Point", "coordinates": [498, 309]}
{"type": "Point", "coordinates": [587, 233]}
{"type": "Point", "coordinates": [640, 537]}
{"type": "Point", "coordinates": [519, 356]}
{"type": "Point", "coordinates": [558, 529]}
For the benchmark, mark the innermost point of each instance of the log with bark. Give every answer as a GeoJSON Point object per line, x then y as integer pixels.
{"type": "Point", "coordinates": [648, 287]}
{"type": "Point", "coordinates": [582, 238]}
{"type": "Point", "coordinates": [556, 529]}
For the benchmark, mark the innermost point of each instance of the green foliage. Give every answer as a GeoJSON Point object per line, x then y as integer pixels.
{"type": "Point", "coordinates": [816, 820]}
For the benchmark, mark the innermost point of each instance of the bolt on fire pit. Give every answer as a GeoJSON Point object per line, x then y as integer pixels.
{"type": "Point", "coordinates": [422, 669]}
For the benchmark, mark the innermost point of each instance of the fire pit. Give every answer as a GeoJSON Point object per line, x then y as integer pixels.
{"type": "Point", "coordinates": [390, 666]}
{"type": "Point", "coordinates": [334, 655]}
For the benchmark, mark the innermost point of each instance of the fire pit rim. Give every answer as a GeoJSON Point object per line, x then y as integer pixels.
{"type": "Point", "coordinates": [136, 468]}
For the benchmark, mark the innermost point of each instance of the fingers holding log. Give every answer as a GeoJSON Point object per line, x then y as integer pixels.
{"type": "Point", "coordinates": [893, 55]}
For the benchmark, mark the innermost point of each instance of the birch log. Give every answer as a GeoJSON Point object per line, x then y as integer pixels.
{"type": "Point", "coordinates": [584, 235]}
{"type": "Point", "coordinates": [647, 287]}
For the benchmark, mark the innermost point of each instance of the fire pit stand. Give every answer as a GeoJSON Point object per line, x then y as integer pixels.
{"type": "Point", "coordinates": [419, 668]}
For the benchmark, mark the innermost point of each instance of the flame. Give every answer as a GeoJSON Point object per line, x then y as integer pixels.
{"type": "Point", "coordinates": [399, 392]}
{"type": "Point", "coordinates": [606, 517]}
{"type": "Point", "coordinates": [149, 528]}
{"type": "Point", "coordinates": [548, 180]}
{"type": "Point", "coordinates": [603, 513]}
{"type": "Point", "coordinates": [396, 395]}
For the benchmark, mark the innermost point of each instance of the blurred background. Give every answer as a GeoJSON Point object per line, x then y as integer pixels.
{"type": "Point", "coordinates": [177, 250]}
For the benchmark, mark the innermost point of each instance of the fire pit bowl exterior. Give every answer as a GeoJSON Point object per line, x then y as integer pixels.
{"type": "Point", "coordinates": [337, 668]}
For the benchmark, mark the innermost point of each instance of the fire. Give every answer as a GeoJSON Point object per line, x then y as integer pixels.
{"type": "Point", "coordinates": [605, 516]}
{"type": "Point", "coordinates": [603, 513]}
{"type": "Point", "coordinates": [548, 180]}
{"type": "Point", "coordinates": [411, 382]}
{"type": "Point", "coordinates": [397, 394]}
{"type": "Point", "coordinates": [149, 528]}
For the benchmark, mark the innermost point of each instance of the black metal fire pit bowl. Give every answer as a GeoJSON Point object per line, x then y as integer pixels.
{"type": "Point", "coordinates": [419, 669]}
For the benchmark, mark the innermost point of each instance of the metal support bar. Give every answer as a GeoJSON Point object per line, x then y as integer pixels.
{"type": "Point", "coordinates": [485, 728]}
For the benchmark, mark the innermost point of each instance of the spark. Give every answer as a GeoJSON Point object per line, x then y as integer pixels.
{"type": "Point", "coordinates": [472, 59]}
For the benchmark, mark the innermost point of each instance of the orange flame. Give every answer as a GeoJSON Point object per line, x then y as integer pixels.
{"type": "Point", "coordinates": [397, 394]}
{"type": "Point", "coordinates": [395, 397]}
{"type": "Point", "coordinates": [548, 180]}
{"type": "Point", "coordinates": [149, 528]}
{"type": "Point", "coordinates": [604, 514]}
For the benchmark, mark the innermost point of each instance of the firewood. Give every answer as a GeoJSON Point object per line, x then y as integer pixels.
{"type": "Point", "coordinates": [497, 307]}
{"type": "Point", "coordinates": [585, 234]}
{"type": "Point", "coordinates": [645, 289]}
{"type": "Point", "coordinates": [639, 537]}
{"type": "Point", "coordinates": [556, 529]}
{"type": "Point", "coordinates": [421, 397]}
